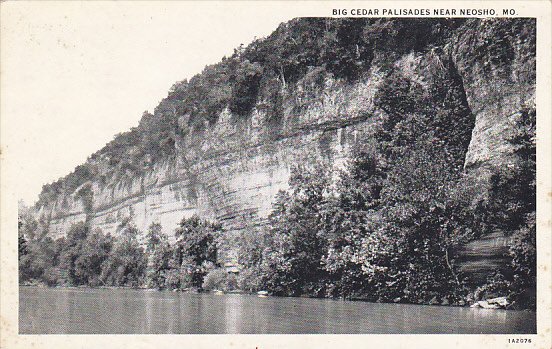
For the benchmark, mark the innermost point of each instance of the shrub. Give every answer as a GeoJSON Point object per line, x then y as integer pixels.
{"type": "Point", "coordinates": [216, 279]}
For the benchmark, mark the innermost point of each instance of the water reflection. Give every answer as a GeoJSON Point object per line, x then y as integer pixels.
{"type": "Point", "coordinates": [44, 310]}
{"type": "Point", "coordinates": [233, 306]}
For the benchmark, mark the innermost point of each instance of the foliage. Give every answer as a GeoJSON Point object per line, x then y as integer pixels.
{"type": "Point", "coordinates": [71, 252]}
{"type": "Point", "coordinates": [250, 279]}
{"type": "Point", "coordinates": [350, 226]}
{"type": "Point", "coordinates": [215, 280]}
{"type": "Point", "coordinates": [512, 209]}
{"type": "Point", "coordinates": [514, 188]}
{"type": "Point", "coordinates": [524, 264]}
{"type": "Point", "coordinates": [126, 262]}
{"type": "Point", "coordinates": [158, 251]}
{"type": "Point", "coordinates": [195, 251]}
{"type": "Point", "coordinates": [497, 43]}
{"type": "Point", "coordinates": [95, 250]}
{"type": "Point", "coordinates": [27, 226]}
{"type": "Point", "coordinates": [497, 285]}
{"type": "Point", "coordinates": [245, 88]}
{"type": "Point", "coordinates": [39, 258]}
{"type": "Point", "coordinates": [219, 279]}
{"type": "Point", "coordinates": [296, 249]}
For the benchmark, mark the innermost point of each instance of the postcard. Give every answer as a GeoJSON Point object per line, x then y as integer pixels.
{"type": "Point", "coordinates": [275, 174]}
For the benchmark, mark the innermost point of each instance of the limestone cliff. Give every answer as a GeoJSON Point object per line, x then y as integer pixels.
{"type": "Point", "coordinates": [229, 165]}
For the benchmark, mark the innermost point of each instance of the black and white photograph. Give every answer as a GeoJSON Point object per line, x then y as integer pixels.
{"type": "Point", "coordinates": [179, 168]}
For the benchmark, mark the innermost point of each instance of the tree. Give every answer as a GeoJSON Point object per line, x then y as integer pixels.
{"type": "Point", "coordinates": [40, 255]}
{"type": "Point", "coordinates": [345, 52]}
{"type": "Point", "coordinates": [196, 250]}
{"type": "Point", "coordinates": [94, 252]}
{"type": "Point", "coordinates": [72, 250]}
{"type": "Point", "coordinates": [349, 223]}
{"type": "Point", "coordinates": [126, 263]}
{"type": "Point", "coordinates": [158, 251]}
{"type": "Point", "coordinates": [245, 87]}
{"type": "Point", "coordinates": [292, 264]}
{"type": "Point", "coordinates": [426, 207]}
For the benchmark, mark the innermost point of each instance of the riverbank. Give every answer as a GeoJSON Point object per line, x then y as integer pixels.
{"type": "Point", "coordinates": [489, 303]}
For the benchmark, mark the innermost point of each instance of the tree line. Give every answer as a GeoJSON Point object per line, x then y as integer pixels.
{"type": "Point", "coordinates": [86, 256]}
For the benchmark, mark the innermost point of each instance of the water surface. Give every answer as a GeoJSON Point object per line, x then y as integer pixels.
{"type": "Point", "coordinates": [116, 311]}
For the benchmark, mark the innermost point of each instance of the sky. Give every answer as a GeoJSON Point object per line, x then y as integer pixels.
{"type": "Point", "coordinates": [74, 74]}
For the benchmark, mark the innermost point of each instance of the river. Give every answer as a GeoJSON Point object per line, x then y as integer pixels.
{"type": "Point", "coordinates": [117, 311]}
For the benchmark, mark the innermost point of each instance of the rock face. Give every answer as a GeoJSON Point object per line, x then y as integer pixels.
{"type": "Point", "coordinates": [499, 85]}
{"type": "Point", "coordinates": [499, 92]}
{"type": "Point", "coordinates": [230, 172]}
{"type": "Point", "coordinates": [231, 169]}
